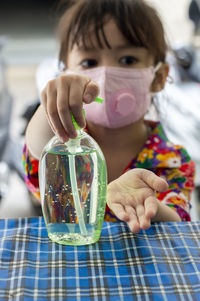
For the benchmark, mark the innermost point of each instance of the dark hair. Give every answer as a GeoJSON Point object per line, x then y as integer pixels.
{"type": "Point", "coordinates": [137, 21]}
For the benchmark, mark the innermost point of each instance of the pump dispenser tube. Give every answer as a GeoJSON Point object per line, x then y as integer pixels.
{"type": "Point", "coordinates": [79, 213]}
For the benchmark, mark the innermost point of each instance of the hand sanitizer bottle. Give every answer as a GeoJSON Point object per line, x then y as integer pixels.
{"type": "Point", "coordinates": [73, 184]}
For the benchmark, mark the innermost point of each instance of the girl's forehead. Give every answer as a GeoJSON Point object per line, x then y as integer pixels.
{"type": "Point", "coordinates": [109, 36]}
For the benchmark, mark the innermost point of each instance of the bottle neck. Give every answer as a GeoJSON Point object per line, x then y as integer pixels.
{"type": "Point", "coordinates": [79, 132]}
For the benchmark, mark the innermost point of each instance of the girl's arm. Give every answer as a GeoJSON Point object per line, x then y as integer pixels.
{"type": "Point", "coordinates": [38, 132]}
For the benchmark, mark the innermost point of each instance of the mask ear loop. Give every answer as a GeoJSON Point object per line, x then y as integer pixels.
{"type": "Point", "coordinates": [169, 79]}
{"type": "Point", "coordinates": [152, 112]}
{"type": "Point", "coordinates": [164, 96]}
{"type": "Point", "coordinates": [157, 67]}
{"type": "Point", "coordinates": [153, 95]}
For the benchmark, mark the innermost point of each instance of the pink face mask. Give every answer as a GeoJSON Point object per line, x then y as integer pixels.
{"type": "Point", "coordinates": [126, 94]}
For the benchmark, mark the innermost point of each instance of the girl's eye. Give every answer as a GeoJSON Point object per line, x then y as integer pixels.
{"type": "Point", "coordinates": [89, 63]}
{"type": "Point", "coordinates": [128, 60]}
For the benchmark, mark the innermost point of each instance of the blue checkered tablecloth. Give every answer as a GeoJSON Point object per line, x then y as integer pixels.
{"type": "Point", "coordinates": [162, 263]}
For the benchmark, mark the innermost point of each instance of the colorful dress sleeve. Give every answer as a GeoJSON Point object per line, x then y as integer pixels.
{"type": "Point", "coordinates": [181, 184]}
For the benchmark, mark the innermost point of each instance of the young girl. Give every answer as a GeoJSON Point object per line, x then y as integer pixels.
{"type": "Point", "coordinates": [115, 49]}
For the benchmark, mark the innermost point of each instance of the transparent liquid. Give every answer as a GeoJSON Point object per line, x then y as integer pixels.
{"type": "Point", "coordinates": [59, 208]}
{"type": "Point", "coordinates": [70, 234]}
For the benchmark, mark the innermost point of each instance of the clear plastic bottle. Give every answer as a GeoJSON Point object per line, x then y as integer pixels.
{"type": "Point", "coordinates": [73, 184]}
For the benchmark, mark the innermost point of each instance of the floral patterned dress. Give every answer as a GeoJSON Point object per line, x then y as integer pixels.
{"type": "Point", "coordinates": [159, 155]}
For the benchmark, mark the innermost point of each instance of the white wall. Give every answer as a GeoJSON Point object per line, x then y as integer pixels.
{"type": "Point", "coordinates": [174, 14]}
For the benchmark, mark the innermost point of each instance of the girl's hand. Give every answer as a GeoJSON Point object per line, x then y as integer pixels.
{"type": "Point", "coordinates": [66, 94]}
{"type": "Point", "coordinates": [132, 197]}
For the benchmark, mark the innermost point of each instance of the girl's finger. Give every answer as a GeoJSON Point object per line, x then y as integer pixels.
{"type": "Point", "coordinates": [53, 117]}
{"type": "Point", "coordinates": [151, 206]}
{"type": "Point", "coordinates": [63, 97]}
{"type": "Point", "coordinates": [153, 180]}
{"type": "Point", "coordinates": [91, 91]}
{"type": "Point", "coordinates": [44, 99]}
{"type": "Point", "coordinates": [133, 222]}
{"type": "Point", "coordinates": [143, 219]}
{"type": "Point", "coordinates": [140, 210]}
{"type": "Point", "coordinates": [44, 105]}
{"type": "Point", "coordinates": [76, 101]}
{"type": "Point", "coordinates": [64, 114]}
{"type": "Point", "coordinates": [119, 211]}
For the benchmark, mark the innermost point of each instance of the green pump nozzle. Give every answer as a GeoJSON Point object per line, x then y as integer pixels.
{"type": "Point", "coordinates": [98, 99]}
{"type": "Point", "coordinates": [77, 127]}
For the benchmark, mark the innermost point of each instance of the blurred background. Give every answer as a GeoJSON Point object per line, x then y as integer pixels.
{"type": "Point", "coordinates": [27, 40]}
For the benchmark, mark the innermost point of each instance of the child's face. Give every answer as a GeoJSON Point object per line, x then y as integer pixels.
{"type": "Point", "coordinates": [121, 54]}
